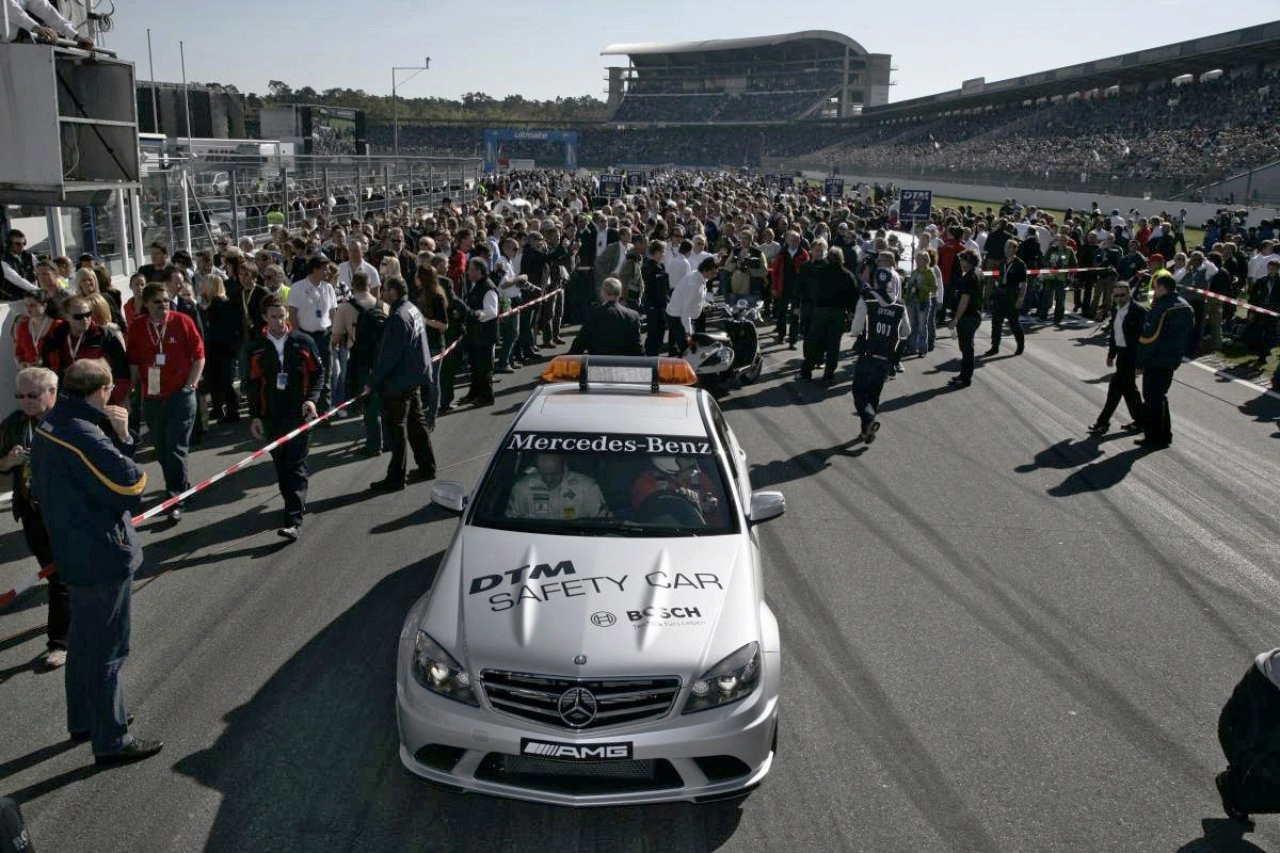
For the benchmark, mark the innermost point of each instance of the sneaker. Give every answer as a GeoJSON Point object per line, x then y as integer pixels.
{"type": "Point", "coordinates": [135, 751]}
{"type": "Point", "coordinates": [291, 533]}
{"type": "Point", "coordinates": [386, 486]}
{"type": "Point", "coordinates": [175, 514]}
{"type": "Point", "coordinates": [55, 658]}
{"type": "Point", "coordinates": [869, 435]}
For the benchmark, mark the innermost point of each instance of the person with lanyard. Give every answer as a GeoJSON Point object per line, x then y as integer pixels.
{"type": "Point", "coordinates": [1127, 320]}
{"type": "Point", "coordinates": [37, 391]}
{"type": "Point", "coordinates": [79, 338]}
{"type": "Point", "coordinates": [1008, 293]}
{"type": "Point", "coordinates": [510, 295]}
{"type": "Point", "coordinates": [312, 301]}
{"type": "Point", "coordinates": [968, 314]}
{"type": "Point", "coordinates": [282, 385]}
{"type": "Point", "coordinates": [30, 330]}
{"type": "Point", "coordinates": [166, 357]}
{"type": "Point", "coordinates": [881, 324]}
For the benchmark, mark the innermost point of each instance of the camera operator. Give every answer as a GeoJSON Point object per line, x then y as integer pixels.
{"type": "Point", "coordinates": [20, 19]}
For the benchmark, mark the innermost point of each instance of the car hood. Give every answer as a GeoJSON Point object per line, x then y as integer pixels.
{"type": "Point", "coordinates": [675, 606]}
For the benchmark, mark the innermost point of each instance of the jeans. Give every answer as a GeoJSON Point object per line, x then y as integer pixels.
{"type": "Point", "coordinates": [868, 381]}
{"type": "Point", "coordinates": [919, 314]}
{"type": "Point", "coordinates": [550, 316]}
{"type": "Point", "coordinates": [37, 537]}
{"type": "Point", "coordinates": [508, 328]}
{"type": "Point", "coordinates": [931, 333]}
{"type": "Point", "coordinates": [170, 421]}
{"type": "Point", "coordinates": [406, 423]}
{"type": "Point", "coordinates": [96, 649]}
{"type": "Point", "coordinates": [341, 359]}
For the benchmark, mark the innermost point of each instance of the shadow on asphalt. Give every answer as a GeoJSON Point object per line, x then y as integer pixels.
{"type": "Point", "coordinates": [1220, 836]}
{"type": "Point", "coordinates": [1099, 476]}
{"type": "Point", "coordinates": [311, 763]}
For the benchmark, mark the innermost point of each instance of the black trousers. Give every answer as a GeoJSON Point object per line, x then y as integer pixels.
{"type": "Point", "coordinates": [481, 358]}
{"type": "Point", "coordinates": [787, 309]}
{"type": "Point", "coordinates": [966, 331]}
{"type": "Point", "coordinates": [868, 381]}
{"type": "Point", "coordinates": [582, 288]}
{"type": "Point", "coordinates": [405, 422]}
{"type": "Point", "coordinates": [322, 339]}
{"type": "Point", "coordinates": [292, 474]}
{"type": "Point", "coordinates": [219, 371]}
{"type": "Point", "coordinates": [822, 340]}
{"type": "Point", "coordinates": [1005, 307]}
{"type": "Point", "coordinates": [1247, 728]}
{"type": "Point", "coordinates": [1124, 385]}
{"type": "Point", "coordinates": [1156, 422]}
{"type": "Point", "coordinates": [655, 329]}
{"type": "Point", "coordinates": [678, 341]}
{"type": "Point", "coordinates": [37, 537]}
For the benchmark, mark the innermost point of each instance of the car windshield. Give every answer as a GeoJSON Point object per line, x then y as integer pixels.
{"type": "Point", "coordinates": [606, 485]}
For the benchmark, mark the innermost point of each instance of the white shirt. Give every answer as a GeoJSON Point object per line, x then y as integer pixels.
{"type": "Point", "coordinates": [676, 265]}
{"type": "Point", "coordinates": [314, 304]}
{"type": "Point", "coordinates": [696, 258]}
{"type": "Point", "coordinates": [940, 293]}
{"type": "Point", "coordinates": [345, 272]}
{"type": "Point", "coordinates": [1258, 266]}
{"type": "Point", "coordinates": [278, 343]}
{"type": "Point", "coordinates": [1118, 325]}
{"type": "Point", "coordinates": [489, 306]}
{"type": "Point", "coordinates": [509, 287]}
{"type": "Point", "coordinates": [44, 10]}
{"type": "Point", "coordinates": [687, 298]}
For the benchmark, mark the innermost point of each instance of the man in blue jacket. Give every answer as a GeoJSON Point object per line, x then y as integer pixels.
{"type": "Point", "coordinates": [88, 487]}
{"type": "Point", "coordinates": [1165, 336]}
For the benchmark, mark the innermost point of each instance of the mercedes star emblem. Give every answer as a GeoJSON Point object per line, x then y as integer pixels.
{"type": "Point", "coordinates": [577, 707]}
{"type": "Point", "coordinates": [580, 660]}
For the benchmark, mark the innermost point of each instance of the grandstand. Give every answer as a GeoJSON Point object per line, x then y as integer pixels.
{"type": "Point", "coordinates": [811, 74]}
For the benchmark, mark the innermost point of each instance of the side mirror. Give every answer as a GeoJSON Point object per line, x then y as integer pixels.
{"type": "Point", "coordinates": [449, 494]}
{"type": "Point", "coordinates": [766, 505]}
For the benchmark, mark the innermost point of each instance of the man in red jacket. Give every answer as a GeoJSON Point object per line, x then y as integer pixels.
{"type": "Point", "coordinates": [784, 275]}
{"type": "Point", "coordinates": [166, 358]}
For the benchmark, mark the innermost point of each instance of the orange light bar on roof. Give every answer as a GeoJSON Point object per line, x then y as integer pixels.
{"type": "Point", "coordinates": [619, 370]}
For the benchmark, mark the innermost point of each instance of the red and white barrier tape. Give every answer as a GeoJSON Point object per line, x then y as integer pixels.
{"type": "Point", "coordinates": [1239, 303]}
{"type": "Point", "coordinates": [1049, 271]}
{"type": "Point", "coordinates": [6, 598]}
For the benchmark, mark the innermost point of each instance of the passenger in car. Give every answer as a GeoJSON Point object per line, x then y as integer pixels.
{"type": "Point", "coordinates": [682, 477]}
{"type": "Point", "coordinates": [551, 490]}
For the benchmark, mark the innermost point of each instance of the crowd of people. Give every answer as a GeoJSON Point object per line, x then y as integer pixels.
{"type": "Point", "coordinates": [392, 313]}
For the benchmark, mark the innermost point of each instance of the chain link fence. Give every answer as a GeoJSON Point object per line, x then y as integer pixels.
{"type": "Point", "coordinates": [194, 203]}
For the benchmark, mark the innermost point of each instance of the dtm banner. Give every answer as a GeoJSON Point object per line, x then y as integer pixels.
{"type": "Point", "coordinates": [635, 180]}
{"type": "Point", "coordinates": [915, 205]}
{"type": "Point", "coordinates": [833, 188]}
{"type": "Point", "coordinates": [611, 186]}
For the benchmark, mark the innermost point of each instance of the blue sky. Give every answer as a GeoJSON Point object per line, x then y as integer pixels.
{"type": "Point", "coordinates": [541, 50]}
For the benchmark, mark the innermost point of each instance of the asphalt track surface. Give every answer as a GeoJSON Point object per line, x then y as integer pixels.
{"type": "Point", "coordinates": [998, 635]}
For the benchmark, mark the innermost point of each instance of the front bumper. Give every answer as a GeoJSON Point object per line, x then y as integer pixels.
{"type": "Point", "coordinates": [707, 755]}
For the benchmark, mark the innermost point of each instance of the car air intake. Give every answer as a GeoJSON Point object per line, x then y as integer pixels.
{"type": "Point", "coordinates": [579, 704]}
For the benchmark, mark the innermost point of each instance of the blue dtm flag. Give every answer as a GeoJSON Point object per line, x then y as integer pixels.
{"type": "Point", "coordinates": [611, 186]}
{"type": "Point", "coordinates": [833, 188]}
{"type": "Point", "coordinates": [635, 180]}
{"type": "Point", "coordinates": [915, 205]}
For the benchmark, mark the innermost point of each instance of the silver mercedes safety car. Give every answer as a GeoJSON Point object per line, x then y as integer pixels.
{"type": "Point", "coordinates": [597, 632]}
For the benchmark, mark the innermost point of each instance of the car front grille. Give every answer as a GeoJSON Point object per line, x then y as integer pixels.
{"type": "Point", "coordinates": [581, 778]}
{"type": "Point", "coordinates": [617, 700]}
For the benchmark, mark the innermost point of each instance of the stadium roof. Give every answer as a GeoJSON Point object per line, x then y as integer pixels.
{"type": "Point", "coordinates": [832, 42]}
{"type": "Point", "coordinates": [1257, 45]}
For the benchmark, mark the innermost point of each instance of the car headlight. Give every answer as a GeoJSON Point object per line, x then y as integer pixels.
{"type": "Point", "coordinates": [728, 681]}
{"type": "Point", "coordinates": [436, 670]}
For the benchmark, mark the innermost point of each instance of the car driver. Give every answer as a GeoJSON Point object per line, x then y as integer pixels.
{"type": "Point", "coordinates": [680, 475]}
{"type": "Point", "coordinates": [551, 490]}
